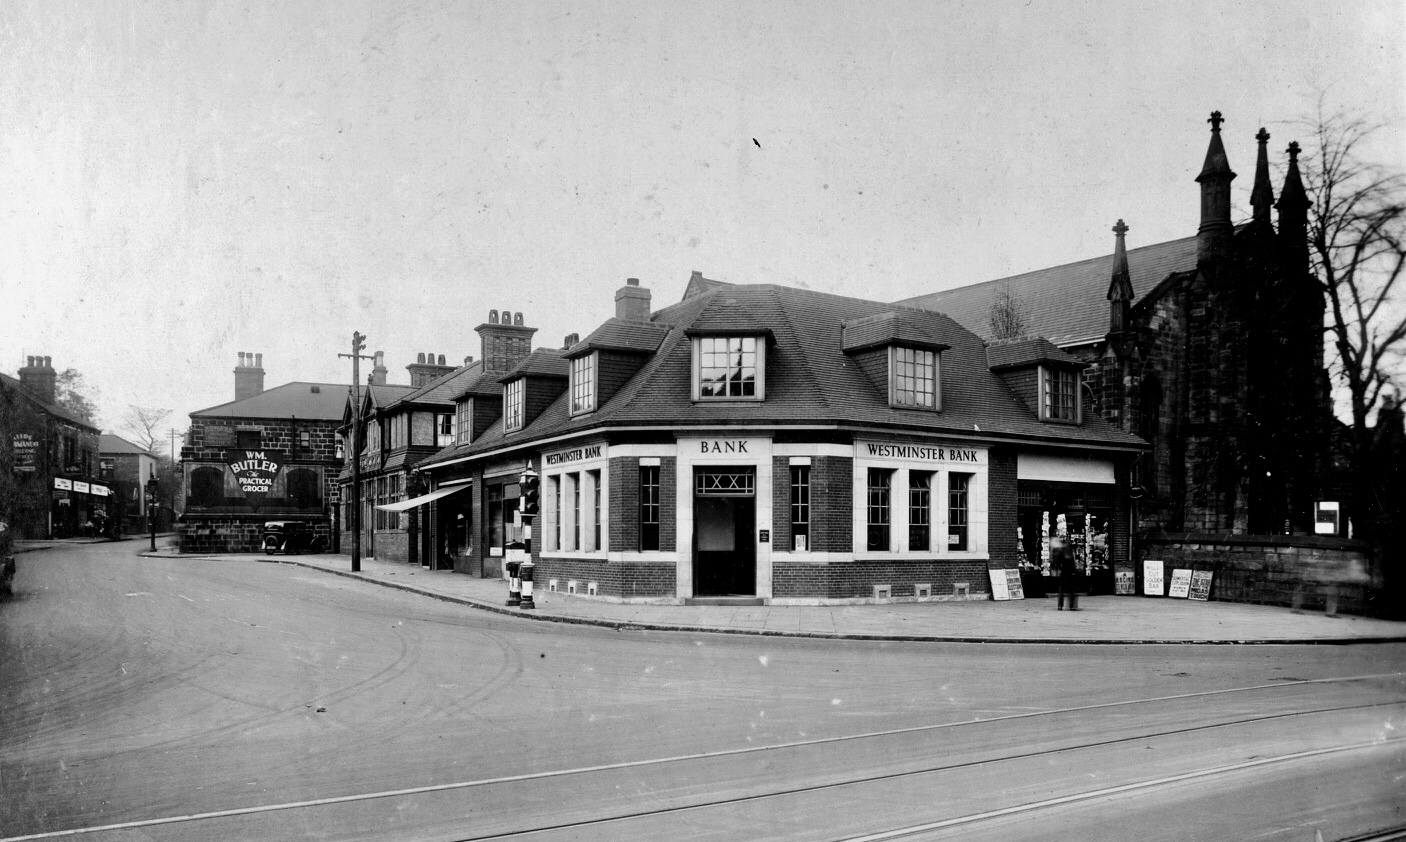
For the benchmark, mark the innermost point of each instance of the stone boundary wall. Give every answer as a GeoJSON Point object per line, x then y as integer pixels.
{"type": "Point", "coordinates": [1301, 571]}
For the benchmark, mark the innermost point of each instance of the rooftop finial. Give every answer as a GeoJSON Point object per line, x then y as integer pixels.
{"type": "Point", "coordinates": [1120, 229]}
{"type": "Point", "coordinates": [1293, 151]}
{"type": "Point", "coordinates": [1262, 196]}
{"type": "Point", "coordinates": [1215, 121]}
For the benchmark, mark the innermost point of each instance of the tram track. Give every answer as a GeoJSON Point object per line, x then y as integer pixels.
{"type": "Point", "coordinates": [727, 779]}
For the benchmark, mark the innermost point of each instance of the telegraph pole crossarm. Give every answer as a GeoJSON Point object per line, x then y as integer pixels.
{"type": "Point", "coordinates": [358, 345]}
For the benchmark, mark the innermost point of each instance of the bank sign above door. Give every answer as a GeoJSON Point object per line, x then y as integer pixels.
{"type": "Point", "coordinates": [255, 470]}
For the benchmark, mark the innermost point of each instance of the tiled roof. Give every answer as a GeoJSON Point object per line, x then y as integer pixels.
{"type": "Point", "coordinates": [620, 335]}
{"type": "Point", "coordinates": [809, 380]}
{"type": "Point", "coordinates": [445, 388]}
{"type": "Point", "coordinates": [51, 408]}
{"type": "Point", "coordinates": [312, 401]}
{"type": "Point", "coordinates": [1033, 351]}
{"type": "Point", "coordinates": [892, 327]}
{"type": "Point", "coordinates": [543, 362]}
{"type": "Point", "coordinates": [118, 446]}
{"type": "Point", "coordinates": [1066, 304]}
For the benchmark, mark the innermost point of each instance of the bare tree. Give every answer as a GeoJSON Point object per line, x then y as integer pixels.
{"type": "Point", "coordinates": [144, 424]}
{"type": "Point", "coordinates": [1006, 316]}
{"type": "Point", "coordinates": [1357, 249]}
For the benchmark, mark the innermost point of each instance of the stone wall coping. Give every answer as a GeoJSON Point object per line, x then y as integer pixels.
{"type": "Point", "coordinates": [1324, 542]}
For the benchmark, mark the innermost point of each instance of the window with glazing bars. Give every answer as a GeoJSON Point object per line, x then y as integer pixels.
{"type": "Point", "coordinates": [919, 511]}
{"type": "Point", "coordinates": [1061, 395]}
{"type": "Point", "coordinates": [595, 505]}
{"type": "Point", "coordinates": [727, 367]}
{"type": "Point", "coordinates": [649, 507]}
{"type": "Point", "coordinates": [583, 384]}
{"type": "Point", "coordinates": [800, 506]}
{"type": "Point", "coordinates": [463, 429]}
{"type": "Point", "coordinates": [914, 378]}
{"type": "Point", "coordinates": [880, 503]}
{"type": "Point", "coordinates": [957, 510]}
{"type": "Point", "coordinates": [512, 405]}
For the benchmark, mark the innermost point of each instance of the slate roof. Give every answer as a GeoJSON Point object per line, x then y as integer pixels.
{"type": "Point", "coordinates": [543, 362]}
{"type": "Point", "coordinates": [108, 444]}
{"type": "Point", "coordinates": [892, 327]}
{"type": "Point", "coordinates": [1033, 351]}
{"type": "Point", "coordinates": [51, 408]}
{"type": "Point", "coordinates": [620, 335]}
{"type": "Point", "coordinates": [1066, 304]}
{"type": "Point", "coordinates": [299, 399]}
{"type": "Point", "coordinates": [442, 390]}
{"type": "Point", "coordinates": [809, 380]}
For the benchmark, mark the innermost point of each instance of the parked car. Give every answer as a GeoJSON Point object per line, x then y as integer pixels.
{"type": "Point", "coordinates": [291, 537]}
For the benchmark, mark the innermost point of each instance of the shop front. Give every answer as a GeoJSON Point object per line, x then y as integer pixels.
{"type": "Point", "coordinates": [1070, 497]}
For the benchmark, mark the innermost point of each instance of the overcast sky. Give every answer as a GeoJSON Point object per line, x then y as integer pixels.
{"type": "Point", "coordinates": [181, 181]}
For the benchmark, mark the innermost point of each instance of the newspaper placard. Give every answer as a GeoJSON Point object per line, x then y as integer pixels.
{"type": "Point", "coordinates": [1152, 584]}
{"type": "Point", "coordinates": [1201, 585]}
{"type": "Point", "coordinates": [1005, 584]}
{"type": "Point", "coordinates": [1181, 584]}
{"type": "Point", "coordinates": [1125, 583]}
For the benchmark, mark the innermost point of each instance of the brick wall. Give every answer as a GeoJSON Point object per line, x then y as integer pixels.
{"type": "Point", "coordinates": [625, 580]}
{"type": "Point", "coordinates": [1001, 501]}
{"type": "Point", "coordinates": [856, 580]}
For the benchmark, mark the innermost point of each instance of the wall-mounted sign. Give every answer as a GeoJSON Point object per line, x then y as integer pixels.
{"type": "Point", "coordinates": [219, 436]}
{"type": "Point", "coordinates": [99, 490]}
{"type": "Point", "coordinates": [63, 484]}
{"type": "Point", "coordinates": [920, 453]}
{"type": "Point", "coordinates": [255, 470]}
{"type": "Point", "coordinates": [576, 454]}
{"type": "Point", "coordinates": [764, 536]}
{"type": "Point", "coordinates": [1325, 518]}
{"type": "Point", "coordinates": [1152, 584]}
{"type": "Point", "coordinates": [1201, 585]}
{"type": "Point", "coordinates": [80, 487]}
{"type": "Point", "coordinates": [25, 448]}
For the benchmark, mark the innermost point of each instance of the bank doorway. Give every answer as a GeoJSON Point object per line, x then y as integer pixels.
{"type": "Point", "coordinates": [724, 531]}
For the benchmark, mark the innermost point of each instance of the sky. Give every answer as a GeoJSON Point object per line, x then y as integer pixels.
{"type": "Point", "coordinates": [182, 181]}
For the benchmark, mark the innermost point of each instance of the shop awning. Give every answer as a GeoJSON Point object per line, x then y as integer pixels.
{"type": "Point", "coordinates": [420, 501]}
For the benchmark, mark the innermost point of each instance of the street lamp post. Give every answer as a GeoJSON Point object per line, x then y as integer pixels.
{"type": "Point", "coordinates": [151, 486]}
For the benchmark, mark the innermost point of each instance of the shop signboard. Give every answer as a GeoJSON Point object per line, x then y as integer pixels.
{"type": "Point", "coordinates": [255, 470]}
{"type": "Point", "coordinates": [98, 490]}
{"type": "Point", "coordinates": [63, 484]}
{"type": "Point", "coordinates": [80, 487]}
{"type": "Point", "coordinates": [1005, 584]}
{"type": "Point", "coordinates": [1201, 585]}
{"type": "Point", "coordinates": [1181, 584]}
{"type": "Point", "coordinates": [219, 436]}
{"type": "Point", "coordinates": [1124, 583]}
{"type": "Point", "coordinates": [1325, 518]}
{"type": "Point", "coordinates": [25, 447]}
{"type": "Point", "coordinates": [1152, 584]}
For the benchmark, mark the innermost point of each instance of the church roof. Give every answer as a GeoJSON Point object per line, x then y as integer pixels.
{"type": "Point", "coordinates": [1067, 304]}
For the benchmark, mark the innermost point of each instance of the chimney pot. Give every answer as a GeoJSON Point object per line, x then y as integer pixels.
{"type": "Point", "coordinates": [633, 282]}
{"type": "Point", "coordinates": [419, 358]}
{"type": "Point", "coordinates": [258, 361]}
{"type": "Point", "coordinates": [31, 362]}
{"type": "Point", "coordinates": [493, 317]}
{"type": "Point", "coordinates": [441, 359]}
{"type": "Point", "coordinates": [48, 362]}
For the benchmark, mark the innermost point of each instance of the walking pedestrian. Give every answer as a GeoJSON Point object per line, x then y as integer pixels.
{"type": "Point", "coordinates": [1062, 560]}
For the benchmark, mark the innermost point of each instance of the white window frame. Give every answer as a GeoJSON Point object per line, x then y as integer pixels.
{"type": "Point", "coordinates": [584, 382]}
{"type": "Point", "coordinates": [940, 472]}
{"type": "Point", "coordinates": [894, 391]}
{"type": "Point", "coordinates": [1045, 394]}
{"type": "Point", "coordinates": [514, 392]}
{"type": "Point", "coordinates": [570, 517]}
{"type": "Point", "coordinates": [441, 438]}
{"type": "Point", "coordinates": [464, 421]}
{"type": "Point", "coordinates": [759, 379]}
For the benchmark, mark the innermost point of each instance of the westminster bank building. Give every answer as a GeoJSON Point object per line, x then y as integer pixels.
{"type": "Point", "coordinates": [778, 444]}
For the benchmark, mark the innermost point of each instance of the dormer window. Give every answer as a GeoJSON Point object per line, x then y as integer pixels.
{"type": "Point", "coordinates": [729, 368]}
{"type": "Point", "coordinates": [1059, 394]}
{"type": "Point", "coordinates": [444, 423]}
{"type": "Point", "coordinates": [513, 405]}
{"type": "Point", "coordinates": [583, 384]}
{"type": "Point", "coordinates": [913, 378]}
{"type": "Point", "coordinates": [463, 418]}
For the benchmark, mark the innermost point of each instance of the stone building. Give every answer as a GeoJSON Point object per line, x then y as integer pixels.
{"type": "Point", "coordinates": [50, 477]}
{"type": "Point", "coordinates": [128, 467]}
{"type": "Point", "coordinates": [267, 455]}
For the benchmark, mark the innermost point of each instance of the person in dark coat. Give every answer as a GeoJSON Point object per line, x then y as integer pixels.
{"type": "Point", "coordinates": [1062, 560]}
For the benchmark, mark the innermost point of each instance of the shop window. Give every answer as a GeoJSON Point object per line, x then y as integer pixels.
{"type": "Point", "coordinates": [914, 380]}
{"type": "Point", "coordinates": [1059, 395]}
{"type": "Point", "coordinates": [729, 367]}
{"type": "Point", "coordinates": [512, 405]}
{"type": "Point", "coordinates": [919, 511]}
{"type": "Point", "coordinates": [583, 384]}
{"type": "Point", "coordinates": [207, 487]}
{"type": "Point", "coordinates": [958, 510]}
{"type": "Point", "coordinates": [880, 508]}
{"type": "Point", "coordinates": [649, 507]}
{"type": "Point", "coordinates": [800, 507]}
{"type": "Point", "coordinates": [303, 488]}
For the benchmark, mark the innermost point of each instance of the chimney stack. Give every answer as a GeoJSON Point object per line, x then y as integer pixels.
{"type": "Point", "coordinates": [506, 341]}
{"type": "Point", "coordinates": [248, 376]}
{"type": "Point", "coordinates": [378, 372]}
{"type": "Point", "coordinates": [425, 368]}
{"type": "Point", "coordinates": [40, 379]}
{"type": "Point", "coordinates": [632, 302]}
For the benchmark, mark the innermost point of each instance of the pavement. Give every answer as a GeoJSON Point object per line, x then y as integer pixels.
{"type": "Point", "coordinates": [1099, 620]}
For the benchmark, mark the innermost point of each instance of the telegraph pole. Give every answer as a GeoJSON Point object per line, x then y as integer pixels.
{"type": "Point", "coordinates": [358, 345]}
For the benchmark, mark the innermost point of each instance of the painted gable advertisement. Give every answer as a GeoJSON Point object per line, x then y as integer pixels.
{"type": "Point", "coordinates": [255, 470]}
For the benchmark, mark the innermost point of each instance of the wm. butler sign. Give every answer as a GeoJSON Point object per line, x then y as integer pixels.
{"type": "Point", "coordinates": [255, 470]}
